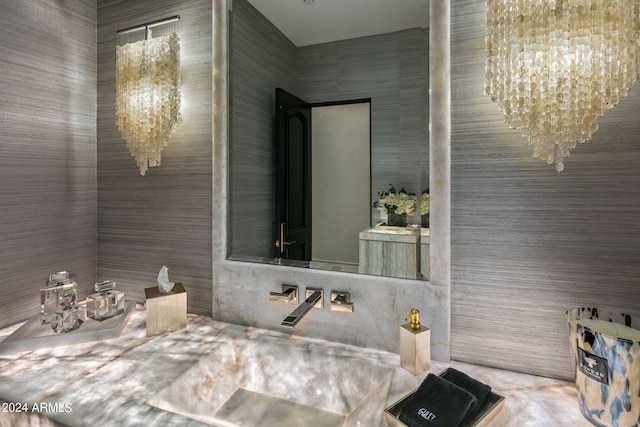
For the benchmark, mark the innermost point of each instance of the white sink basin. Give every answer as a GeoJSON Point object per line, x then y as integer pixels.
{"type": "Point", "coordinates": [271, 381]}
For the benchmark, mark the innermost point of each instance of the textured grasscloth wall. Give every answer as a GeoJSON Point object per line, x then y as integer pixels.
{"type": "Point", "coordinates": [528, 243]}
{"type": "Point", "coordinates": [261, 59]}
{"type": "Point", "coordinates": [165, 216]}
{"type": "Point", "coordinates": [47, 149]}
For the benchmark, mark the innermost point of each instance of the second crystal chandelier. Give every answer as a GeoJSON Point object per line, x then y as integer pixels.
{"type": "Point", "coordinates": [554, 67]}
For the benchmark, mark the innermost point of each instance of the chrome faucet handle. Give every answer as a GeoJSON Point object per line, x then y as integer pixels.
{"type": "Point", "coordinates": [314, 300]}
{"type": "Point", "coordinates": [340, 302]}
{"type": "Point", "coordinates": [320, 301]}
{"type": "Point", "coordinates": [289, 295]}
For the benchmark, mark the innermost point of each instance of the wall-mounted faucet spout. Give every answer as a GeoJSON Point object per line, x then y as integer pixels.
{"type": "Point", "coordinates": [313, 298]}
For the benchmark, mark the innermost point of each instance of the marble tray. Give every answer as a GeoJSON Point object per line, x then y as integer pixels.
{"type": "Point", "coordinates": [32, 335]}
{"type": "Point", "coordinates": [489, 411]}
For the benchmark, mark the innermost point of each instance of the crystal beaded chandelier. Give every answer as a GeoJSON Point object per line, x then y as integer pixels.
{"type": "Point", "coordinates": [147, 91]}
{"type": "Point", "coordinates": [555, 66]}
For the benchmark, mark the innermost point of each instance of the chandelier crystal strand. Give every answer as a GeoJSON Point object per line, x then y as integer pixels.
{"type": "Point", "coordinates": [148, 96]}
{"type": "Point", "coordinates": [554, 67]}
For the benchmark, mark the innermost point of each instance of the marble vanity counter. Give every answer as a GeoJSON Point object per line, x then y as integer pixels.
{"type": "Point", "coordinates": [390, 251]}
{"type": "Point", "coordinates": [392, 234]}
{"type": "Point", "coordinates": [108, 383]}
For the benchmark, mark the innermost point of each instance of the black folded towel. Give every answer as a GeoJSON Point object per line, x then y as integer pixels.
{"type": "Point", "coordinates": [437, 403]}
{"type": "Point", "coordinates": [479, 390]}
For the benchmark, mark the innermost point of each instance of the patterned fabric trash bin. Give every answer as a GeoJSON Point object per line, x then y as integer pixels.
{"type": "Point", "coordinates": [606, 355]}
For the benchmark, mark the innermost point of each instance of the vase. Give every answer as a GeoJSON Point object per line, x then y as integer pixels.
{"type": "Point", "coordinates": [396, 220]}
{"type": "Point", "coordinates": [424, 220]}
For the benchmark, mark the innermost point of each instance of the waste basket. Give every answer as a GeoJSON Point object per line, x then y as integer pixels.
{"type": "Point", "coordinates": [606, 355]}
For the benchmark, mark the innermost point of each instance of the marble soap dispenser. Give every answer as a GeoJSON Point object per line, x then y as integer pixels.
{"type": "Point", "coordinates": [415, 345]}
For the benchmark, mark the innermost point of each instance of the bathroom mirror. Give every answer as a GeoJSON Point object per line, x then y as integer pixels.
{"type": "Point", "coordinates": [367, 95]}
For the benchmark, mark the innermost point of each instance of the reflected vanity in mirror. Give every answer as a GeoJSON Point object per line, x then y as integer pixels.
{"type": "Point", "coordinates": [310, 202]}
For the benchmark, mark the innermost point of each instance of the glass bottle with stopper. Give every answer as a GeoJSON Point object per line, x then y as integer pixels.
{"type": "Point", "coordinates": [58, 303]}
{"type": "Point", "coordinates": [106, 302]}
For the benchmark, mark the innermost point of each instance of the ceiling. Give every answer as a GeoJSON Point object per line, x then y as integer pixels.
{"type": "Point", "coordinates": [331, 20]}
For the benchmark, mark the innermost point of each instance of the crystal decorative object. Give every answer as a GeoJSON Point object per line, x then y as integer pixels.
{"type": "Point", "coordinates": [148, 96]}
{"type": "Point", "coordinates": [65, 320]}
{"type": "Point", "coordinates": [554, 67]}
{"type": "Point", "coordinates": [164, 285]}
{"type": "Point", "coordinates": [58, 278]}
{"type": "Point", "coordinates": [58, 303]}
{"type": "Point", "coordinates": [106, 302]}
{"type": "Point", "coordinates": [60, 289]}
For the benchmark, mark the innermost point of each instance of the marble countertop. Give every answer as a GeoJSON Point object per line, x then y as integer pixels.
{"type": "Point", "coordinates": [390, 233]}
{"type": "Point", "coordinates": [108, 383]}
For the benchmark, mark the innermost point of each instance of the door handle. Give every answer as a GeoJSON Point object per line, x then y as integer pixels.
{"type": "Point", "coordinates": [278, 243]}
{"type": "Point", "coordinates": [281, 243]}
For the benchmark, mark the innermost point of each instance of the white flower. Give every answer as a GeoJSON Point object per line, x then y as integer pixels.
{"type": "Point", "coordinates": [398, 203]}
{"type": "Point", "coordinates": [425, 203]}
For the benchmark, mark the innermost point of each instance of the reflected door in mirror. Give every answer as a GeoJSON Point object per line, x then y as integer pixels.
{"type": "Point", "coordinates": [293, 177]}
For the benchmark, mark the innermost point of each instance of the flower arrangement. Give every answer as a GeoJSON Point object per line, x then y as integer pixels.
{"type": "Point", "coordinates": [425, 202]}
{"type": "Point", "coordinates": [394, 202]}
